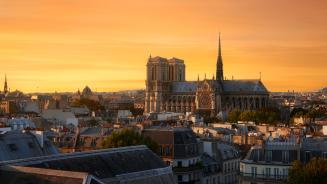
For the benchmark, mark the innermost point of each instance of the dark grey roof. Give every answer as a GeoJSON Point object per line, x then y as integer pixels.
{"type": "Point", "coordinates": [244, 86]}
{"type": "Point", "coordinates": [18, 145]}
{"type": "Point", "coordinates": [260, 154]}
{"type": "Point", "coordinates": [134, 164]}
{"type": "Point", "coordinates": [228, 86]}
{"type": "Point", "coordinates": [106, 163]}
{"type": "Point", "coordinates": [184, 136]}
{"type": "Point", "coordinates": [211, 165]}
{"type": "Point", "coordinates": [185, 143]}
{"type": "Point", "coordinates": [315, 144]}
{"type": "Point", "coordinates": [227, 152]}
{"type": "Point", "coordinates": [208, 160]}
{"type": "Point", "coordinates": [91, 131]}
{"type": "Point", "coordinates": [184, 87]}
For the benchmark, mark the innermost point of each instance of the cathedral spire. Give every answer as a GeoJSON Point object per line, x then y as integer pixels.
{"type": "Point", "coordinates": [5, 87]}
{"type": "Point", "coordinates": [219, 70]}
{"type": "Point", "coordinates": [219, 48]}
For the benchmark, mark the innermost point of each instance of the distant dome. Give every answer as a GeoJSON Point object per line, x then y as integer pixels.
{"type": "Point", "coordinates": [87, 91]}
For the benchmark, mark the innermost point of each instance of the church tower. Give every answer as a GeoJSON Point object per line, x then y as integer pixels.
{"type": "Point", "coordinates": [219, 70]}
{"type": "Point", "coordinates": [5, 87]}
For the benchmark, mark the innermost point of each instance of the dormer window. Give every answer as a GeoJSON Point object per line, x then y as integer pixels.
{"type": "Point", "coordinates": [307, 156]}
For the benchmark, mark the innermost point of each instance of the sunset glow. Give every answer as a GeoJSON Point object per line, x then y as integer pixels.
{"type": "Point", "coordinates": [63, 45]}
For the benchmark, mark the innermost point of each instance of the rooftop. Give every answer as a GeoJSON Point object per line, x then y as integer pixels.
{"type": "Point", "coordinates": [126, 163]}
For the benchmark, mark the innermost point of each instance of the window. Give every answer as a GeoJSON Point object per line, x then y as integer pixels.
{"type": "Point", "coordinates": [269, 155]}
{"type": "Point", "coordinates": [267, 172]}
{"type": "Point", "coordinates": [285, 156]}
{"type": "Point", "coordinates": [179, 163]}
{"type": "Point", "coordinates": [285, 172]}
{"type": "Point", "coordinates": [276, 172]}
{"type": "Point", "coordinates": [307, 156]}
{"type": "Point", "coordinates": [167, 151]}
{"type": "Point", "coordinates": [160, 150]}
{"type": "Point", "coordinates": [254, 171]}
{"type": "Point", "coordinates": [180, 178]}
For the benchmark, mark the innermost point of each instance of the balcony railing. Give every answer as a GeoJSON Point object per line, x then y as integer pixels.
{"type": "Point", "coordinates": [264, 177]}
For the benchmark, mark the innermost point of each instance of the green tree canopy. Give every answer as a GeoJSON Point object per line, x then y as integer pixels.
{"type": "Point", "coordinates": [233, 116]}
{"type": "Point", "coordinates": [127, 137]}
{"type": "Point", "coordinates": [266, 115]}
{"type": "Point", "coordinates": [313, 172]}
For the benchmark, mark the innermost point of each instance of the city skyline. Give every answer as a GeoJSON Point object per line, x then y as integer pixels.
{"type": "Point", "coordinates": [63, 46]}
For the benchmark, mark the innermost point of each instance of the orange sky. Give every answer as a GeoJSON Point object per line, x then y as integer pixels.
{"type": "Point", "coordinates": [63, 45]}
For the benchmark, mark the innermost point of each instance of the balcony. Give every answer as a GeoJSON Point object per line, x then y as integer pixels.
{"type": "Point", "coordinates": [260, 177]}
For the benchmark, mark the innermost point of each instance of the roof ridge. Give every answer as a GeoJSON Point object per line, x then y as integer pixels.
{"type": "Point", "coordinates": [74, 155]}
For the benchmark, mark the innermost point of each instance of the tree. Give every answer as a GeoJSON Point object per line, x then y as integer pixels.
{"type": "Point", "coordinates": [298, 112]}
{"type": "Point", "coordinates": [315, 113]}
{"type": "Point", "coordinates": [247, 116]}
{"type": "Point", "coordinates": [266, 115]}
{"type": "Point", "coordinates": [233, 116]}
{"type": "Point", "coordinates": [127, 137]}
{"type": "Point", "coordinates": [314, 171]}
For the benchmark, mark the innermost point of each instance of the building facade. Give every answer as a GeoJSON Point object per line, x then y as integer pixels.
{"type": "Point", "coordinates": [179, 148]}
{"type": "Point", "coordinates": [168, 90]}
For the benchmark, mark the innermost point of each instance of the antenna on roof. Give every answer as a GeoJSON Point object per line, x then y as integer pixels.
{"type": "Point", "coordinates": [260, 76]}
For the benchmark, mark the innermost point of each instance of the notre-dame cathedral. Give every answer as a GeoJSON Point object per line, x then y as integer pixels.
{"type": "Point", "coordinates": [167, 89]}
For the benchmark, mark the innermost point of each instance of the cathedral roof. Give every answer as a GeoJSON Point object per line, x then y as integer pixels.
{"type": "Point", "coordinates": [184, 87]}
{"type": "Point", "coordinates": [244, 86]}
{"type": "Point", "coordinates": [229, 86]}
